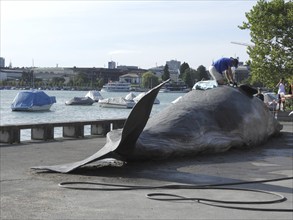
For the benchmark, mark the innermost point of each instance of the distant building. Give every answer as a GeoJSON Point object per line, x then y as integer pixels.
{"type": "Point", "coordinates": [173, 65]}
{"type": "Point", "coordinates": [101, 73]}
{"type": "Point", "coordinates": [48, 73]}
{"type": "Point", "coordinates": [242, 72]}
{"type": "Point", "coordinates": [111, 65]}
{"type": "Point", "coordinates": [11, 74]}
{"type": "Point", "coordinates": [130, 78]}
{"type": "Point", "coordinates": [174, 69]}
{"type": "Point", "coordinates": [158, 70]}
{"type": "Point", "coordinates": [124, 67]}
{"type": "Point", "coordinates": [2, 62]}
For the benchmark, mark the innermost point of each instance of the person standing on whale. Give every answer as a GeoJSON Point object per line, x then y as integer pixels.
{"type": "Point", "coordinates": [223, 66]}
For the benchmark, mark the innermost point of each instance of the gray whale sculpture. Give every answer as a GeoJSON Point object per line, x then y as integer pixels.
{"type": "Point", "coordinates": [212, 120]}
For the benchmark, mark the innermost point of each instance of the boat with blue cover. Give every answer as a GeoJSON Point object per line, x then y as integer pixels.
{"type": "Point", "coordinates": [32, 100]}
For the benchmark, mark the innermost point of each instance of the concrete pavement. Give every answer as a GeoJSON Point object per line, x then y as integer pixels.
{"type": "Point", "coordinates": [29, 194]}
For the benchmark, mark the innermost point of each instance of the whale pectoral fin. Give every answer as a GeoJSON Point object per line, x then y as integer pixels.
{"type": "Point", "coordinates": [137, 120]}
{"type": "Point", "coordinates": [249, 91]}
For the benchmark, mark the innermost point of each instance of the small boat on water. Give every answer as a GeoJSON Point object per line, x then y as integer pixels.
{"type": "Point", "coordinates": [130, 96]}
{"type": "Point", "coordinates": [94, 95]}
{"type": "Point", "coordinates": [116, 102]}
{"type": "Point", "coordinates": [116, 87]}
{"type": "Point", "coordinates": [80, 101]}
{"type": "Point", "coordinates": [140, 95]}
{"type": "Point", "coordinates": [33, 100]}
{"type": "Point", "coordinates": [177, 88]}
{"type": "Point", "coordinates": [205, 84]}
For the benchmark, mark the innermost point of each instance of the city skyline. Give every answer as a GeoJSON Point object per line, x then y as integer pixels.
{"type": "Point", "coordinates": [133, 33]}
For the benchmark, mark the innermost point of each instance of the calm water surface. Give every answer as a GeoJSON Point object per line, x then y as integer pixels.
{"type": "Point", "coordinates": [60, 112]}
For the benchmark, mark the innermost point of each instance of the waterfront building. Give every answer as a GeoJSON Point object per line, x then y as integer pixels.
{"type": "Point", "coordinates": [130, 78]}
{"type": "Point", "coordinates": [174, 69]}
{"type": "Point", "coordinates": [242, 72]}
{"type": "Point", "coordinates": [111, 65]}
{"type": "Point", "coordinates": [2, 62]}
{"type": "Point", "coordinates": [173, 65]}
{"type": "Point", "coordinates": [11, 74]}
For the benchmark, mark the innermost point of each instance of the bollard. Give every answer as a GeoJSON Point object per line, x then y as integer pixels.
{"type": "Point", "coordinates": [74, 131]}
{"type": "Point", "coordinates": [100, 129]}
{"type": "Point", "coordinates": [10, 135]}
{"type": "Point", "coordinates": [42, 133]}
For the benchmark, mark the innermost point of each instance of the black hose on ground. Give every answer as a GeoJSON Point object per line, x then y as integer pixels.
{"type": "Point", "coordinates": [174, 197]}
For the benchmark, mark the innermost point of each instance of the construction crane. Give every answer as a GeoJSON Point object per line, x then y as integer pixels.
{"type": "Point", "coordinates": [243, 44]}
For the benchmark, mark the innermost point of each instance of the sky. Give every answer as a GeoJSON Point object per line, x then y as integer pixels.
{"type": "Point", "coordinates": [134, 33]}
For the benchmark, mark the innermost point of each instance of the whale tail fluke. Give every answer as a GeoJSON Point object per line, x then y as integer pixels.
{"type": "Point", "coordinates": [122, 145]}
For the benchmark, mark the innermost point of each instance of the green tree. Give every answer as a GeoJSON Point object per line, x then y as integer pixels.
{"type": "Point", "coordinates": [70, 83]}
{"type": "Point", "coordinates": [184, 66]}
{"type": "Point", "coordinates": [190, 76]}
{"type": "Point", "coordinates": [27, 77]}
{"type": "Point", "coordinates": [149, 80]}
{"type": "Point", "coordinates": [187, 78]}
{"type": "Point", "coordinates": [100, 82]}
{"type": "Point", "coordinates": [166, 74]}
{"type": "Point", "coordinates": [58, 81]}
{"type": "Point", "coordinates": [271, 30]}
{"type": "Point", "coordinates": [202, 71]}
{"type": "Point", "coordinates": [81, 79]}
{"type": "Point", "coordinates": [38, 82]}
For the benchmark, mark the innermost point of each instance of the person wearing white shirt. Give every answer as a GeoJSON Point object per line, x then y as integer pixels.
{"type": "Point", "coordinates": [281, 94]}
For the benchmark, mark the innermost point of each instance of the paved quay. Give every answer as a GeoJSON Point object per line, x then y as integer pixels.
{"type": "Point", "coordinates": [30, 194]}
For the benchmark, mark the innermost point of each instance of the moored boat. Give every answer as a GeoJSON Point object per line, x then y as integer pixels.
{"type": "Point", "coordinates": [130, 96]}
{"type": "Point", "coordinates": [116, 102]}
{"type": "Point", "coordinates": [116, 87]}
{"type": "Point", "coordinates": [94, 95]}
{"type": "Point", "coordinates": [32, 100]}
{"type": "Point", "coordinates": [178, 87]}
{"type": "Point", "coordinates": [140, 95]}
{"type": "Point", "coordinates": [80, 101]}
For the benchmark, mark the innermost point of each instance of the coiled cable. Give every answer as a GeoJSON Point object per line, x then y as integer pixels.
{"type": "Point", "coordinates": [174, 197]}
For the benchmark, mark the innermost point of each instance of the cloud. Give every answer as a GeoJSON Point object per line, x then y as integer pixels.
{"type": "Point", "coordinates": [143, 33]}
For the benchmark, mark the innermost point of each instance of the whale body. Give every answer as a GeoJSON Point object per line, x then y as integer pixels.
{"type": "Point", "coordinates": [212, 120]}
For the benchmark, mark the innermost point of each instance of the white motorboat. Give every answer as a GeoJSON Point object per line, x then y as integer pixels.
{"type": "Point", "coordinates": [80, 101]}
{"type": "Point", "coordinates": [130, 96]}
{"type": "Point", "coordinates": [94, 95]}
{"type": "Point", "coordinates": [175, 88]}
{"type": "Point", "coordinates": [33, 100]}
{"type": "Point", "coordinates": [205, 84]}
{"type": "Point", "coordinates": [116, 87]}
{"type": "Point", "coordinates": [116, 102]}
{"type": "Point", "coordinates": [140, 95]}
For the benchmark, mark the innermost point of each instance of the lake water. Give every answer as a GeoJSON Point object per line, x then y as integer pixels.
{"type": "Point", "coordinates": [60, 112]}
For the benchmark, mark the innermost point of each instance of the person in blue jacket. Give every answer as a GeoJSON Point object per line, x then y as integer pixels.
{"type": "Point", "coordinates": [223, 66]}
